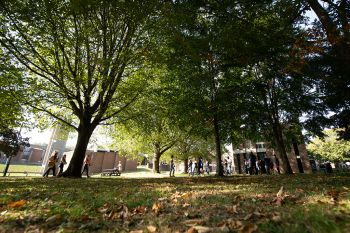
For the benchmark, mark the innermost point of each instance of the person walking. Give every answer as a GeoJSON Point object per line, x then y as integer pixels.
{"type": "Point", "coordinates": [277, 164]}
{"type": "Point", "coordinates": [51, 164]}
{"type": "Point", "coordinates": [194, 166]}
{"type": "Point", "coordinates": [206, 167]}
{"type": "Point", "coordinates": [87, 163]}
{"type": "Point", "coordinates": [252, 163]}
{"type": "Point", "coordinates": [172, 167]}
{"type": "Point", "coordinates": [189, 169]}
{"type": "Point", "coordinates": [200, 166]}
{"type": "Point", "coordinates": [229, 165]}
{"type": "Point", "coordinates": [120, 166]}
{"type": "Point", "coordinates": [62, 163]}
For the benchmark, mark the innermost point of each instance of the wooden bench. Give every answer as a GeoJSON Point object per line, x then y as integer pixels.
{"type": "Point", "coordinates": [111, 172]}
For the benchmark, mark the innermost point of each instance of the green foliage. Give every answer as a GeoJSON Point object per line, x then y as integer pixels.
{"type": "Point", "coordinates": [11, 86]}
{"type": "Point", "coordinates": [330, 148]}
{"type": "Point", "coordinates": [11, 142]}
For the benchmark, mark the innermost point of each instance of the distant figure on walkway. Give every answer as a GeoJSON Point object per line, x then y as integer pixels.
{"type": "Point", "coordinates": [87, 163]}
{"type": "Point", "coordinates": [193, 167]}
{"type": "Point", "coordinates": [229, 165]}
{"type": "Point", "coordinates": [246, 166]}
{"type": "Point", "coordinates": [200, 166]}
{"type": "Point", "coordinates": [172, 167]}
{"type": "Point", "coordinates": [62, 163]}
{"type": "Point", "coordinates": [277, 164]}
{"type": "Point", "coordinates": [120, 166]}
{"type": "Point", "coordinates": [206, 167]}
{"type": "Point", "coordinates": [252, 164]}
{"type": "Point", "coordinates": [51, 164]}
{"type": "Point", "coordinates": [189, 169]}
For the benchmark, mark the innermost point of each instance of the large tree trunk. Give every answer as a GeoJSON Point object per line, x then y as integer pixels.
{"type": "Point", "coordinates": [76, 163]}
{"type": "Point", "coordinates": [157, 154]}
{"type": "Point", "coordinates": [281, 148]}
{"type": "Point", "coordinates": [219, 168]}
{"type": "Point", "coordinates": [186, 165]}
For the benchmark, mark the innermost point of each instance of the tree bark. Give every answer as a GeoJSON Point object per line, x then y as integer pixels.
{"type": "Point", "coordinates": [186, 165]}
{"type": "Point", "coordinates": [76, 163]}
{"type": "Point", "coordinates": [281, 148]}
{"type": "Point", "coordinates": [219, 168]}
{"type": "Point", "coordinates": [157, 154]}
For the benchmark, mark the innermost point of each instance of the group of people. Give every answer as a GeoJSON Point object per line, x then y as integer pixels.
{"type": "Point", "coordinates": [254, 165]}
{"type": "Point", "coordinates": [53, 160]}
{"type": "Point", "coordinates": [198, 167]}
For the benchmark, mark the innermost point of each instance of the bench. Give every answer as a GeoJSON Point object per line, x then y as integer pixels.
{"type": "Point", "coordinates": [111, 172]}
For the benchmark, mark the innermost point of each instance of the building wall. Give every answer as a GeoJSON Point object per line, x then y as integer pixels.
{"type": "Point", "coordinates": [36, 155]}
{"type": "Point", "coordinates": [292, 157]}
{"type": "Point", "coordinates": [105, 160]}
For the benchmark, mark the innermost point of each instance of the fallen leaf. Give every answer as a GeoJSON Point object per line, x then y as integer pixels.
{"type": "Point", "coordinates": [102, 209]}
{"type": "Point", "coordinates": [156, 208]}
{"type": "Point", "coordinates": [140, 210]}
{"type": "Point", "coordinates": [54, 220]}
{"type": "Point", "coordinates": [249, 228]}
{"type": "Point", "coordinates": [203, 229]}
{"type": "Point", "coordinates": [186, 195]}
{"type": "Point", "coordinates": [122, 214]}
{"type": "Point", "coordinates": [222, 229]}
{"type": "Point", "coordinates": [234, 224]}
{"type": "Point", "coordinates": [258, 214]}
{"type": "Point", "coordinates": [136, 231]}
{"type": "Point", "coordinates": [186, 205]}
{"type": "Point", "coordinates": [276, 218]}
{"type": "Point", "coordinates": [280, 192]}
{"type": "Point", "coordinates": [17, 204]}
{"type": "Point", "coordinates": [192, 230]}
{"type": "Point", "coordinates": [279, 201]}
{"type": "Point", "coordinates": [151, 228]}
{"type": "Point", "coordinates": [248, 216]}
{"type": "Point", "coordinates": [233, 209]}
{"type": "Point", "coordinates": [299, 190]}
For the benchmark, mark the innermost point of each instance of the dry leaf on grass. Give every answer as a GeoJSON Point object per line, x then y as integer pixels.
{"type": "Point", "coordinates": [232, 209]}
{"type": "Point", "coordinates": [186, 205]}
{"type": "Point", "coordinates": [156, 208]}
{"type": "Point", "coordinates": [276, 218]}
{"type": "Point", "coordinates": [249, 228]}
{"type": "Point", "coordinates": [136, 231]}
{"type": "Point", "coordinates": [234, 224]}
{"type": "Point", "coordinates": [54, 220]}
{"type": "Point", "coordinates": [151, 228]}
{"type": "Point", "coordinates": [280, 192]}
{"type": "Point", "coordinates": [17, 204]}
{"type": "Point", "coordinates": [140, 210]}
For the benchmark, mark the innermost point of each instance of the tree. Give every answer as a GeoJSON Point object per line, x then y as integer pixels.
{"type": "Point", "coordinates": [11, 113]}
{"type": "Point", "coordinates": [330, 148]}
{"type": "Point", "coordinates": [151, 127]}
{"type": "Point", "coordinates": [330, 37]}
{"type": "Point", "coordinates": [81, 59]}
{"type": "Point", "coordinates": [190, 146]}
{"type": "Point", "coordinates": [11, 142]}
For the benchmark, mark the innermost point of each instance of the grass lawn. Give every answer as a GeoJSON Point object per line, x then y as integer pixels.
{"type": "Point", "coordinates": [308, 203]}
{"type": "Point", "coordinates": [21, 168]}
